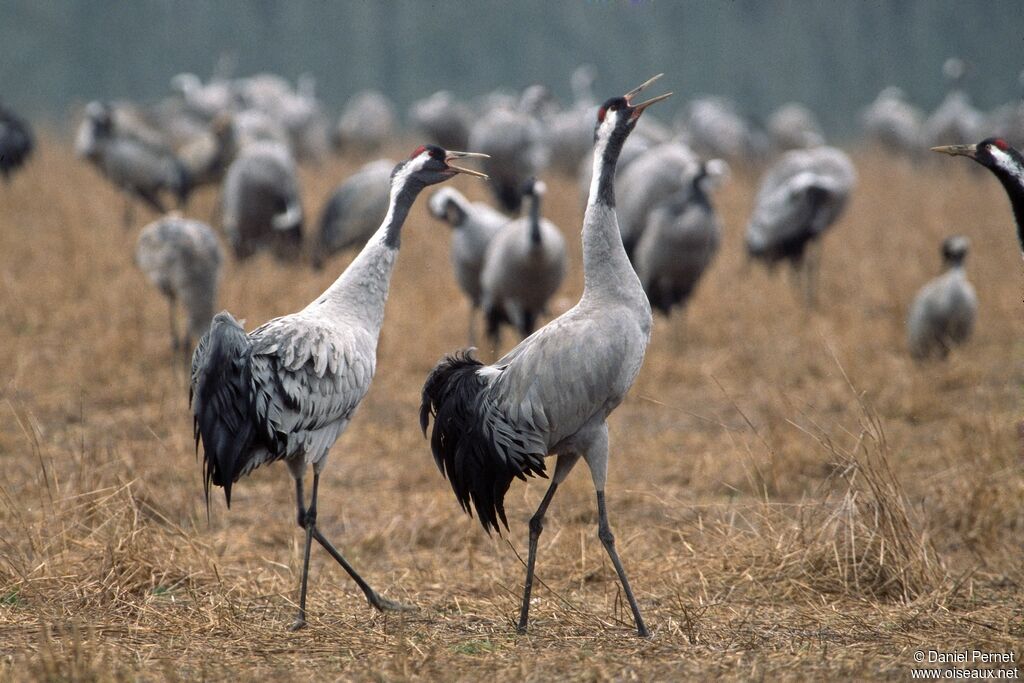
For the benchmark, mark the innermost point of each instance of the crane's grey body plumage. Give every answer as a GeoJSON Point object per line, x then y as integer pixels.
{"type": "Point", "coordinates": [260, 202]}
{"type": "Point", "coordinates": [183, 258]}
{"type": "Point", "coordinates": [16, 142]}
{"type": "Point", "coordinates": [943, 313]}
{"type": "Point", "coordinates": [552, 393]}
{"type": "Point", "coordinates": [355, 210]}
{"type": "Point", "coordinates": [515, 142]}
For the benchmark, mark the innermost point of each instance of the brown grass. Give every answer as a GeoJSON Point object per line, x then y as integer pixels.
{"type": "Point", "coordinates": [793, 497]}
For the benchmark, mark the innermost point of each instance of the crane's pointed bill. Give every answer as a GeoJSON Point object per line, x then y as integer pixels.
{"type": "Point", "coordinates": [632, 93]}
{"type": "Point", "coordinates": [465, 155]}
{"type": "Point", "coordinates": [639, 108]}
{"type": "Point", "coordinates": [958, 150]}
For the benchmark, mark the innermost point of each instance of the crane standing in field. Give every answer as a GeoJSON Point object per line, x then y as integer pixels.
{"type": "Point", "coordinates": [474, 225]}
{"type": "Point", "coordinates": [16, 142]}
{"type": "Point", "coordinates": [523, 267]}
{"type": "Point", "coordinates": [680, 240]}
{"type": "Point", "coordinates": [182, 258]}
{"type": "Point", "coordinates": [288, 389]}
{"type": "Point", "coordinates": [551, 394]}
{"type": "Point", "coordinates": [942, 315]}
{"type": "Point", "coordinates": [1006, 163]}
{"type": "Point", "coordinates": [354, 210]}
{"type": "Point", "coordinates": [801, 196]}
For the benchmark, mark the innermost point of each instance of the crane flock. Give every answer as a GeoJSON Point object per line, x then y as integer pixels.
{"type": "Point", "coordinates": [288, 389]}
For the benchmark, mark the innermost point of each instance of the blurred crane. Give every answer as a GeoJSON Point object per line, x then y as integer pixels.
{"type": "Point", "coordinates": [514, 139]}
{"type": "Point", "coordinates": [523, 267]}
{"type": "Point", "coordinates": [473, 225]}
{"type": "Point", "coordinates": [1006, 163]}
{"type": "Point", "coordinates": [800, 197]}
{"type": "Point", "coordinates": [16, 142]}
{"type": "Point", "coordinates": [140, 170]}
{"type": "Point", "coordinates": [182, 258]}
{"type": "Point", "coordinates": [366, 123]}
{"type": "Point", "coordinates": [354, 210]}
{"type": "Point", "coordinates": [288, 389]}
{"type": "Point", "coordinates": [551, 394]}
{"type": "Point", "coordinates": [942, 315]}
{"type": "Point", "coordinates": [443, 119]}
{"type": "Point", "coordinates": [955, 119]}
{"type": "Point", "coordinates": [794, 126]}
{"type": "Point", "coordinates": [260, 203]}
{"type": "Point", "coordinates": [680, 240]}
{"type": "Point", "coordinates": [894, 124]}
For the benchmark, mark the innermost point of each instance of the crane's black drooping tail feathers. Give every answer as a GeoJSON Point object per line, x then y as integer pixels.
{"type": "Point", "coordinates": [222, 402]}
{"type": "Point", "coordinates": [473, 447]}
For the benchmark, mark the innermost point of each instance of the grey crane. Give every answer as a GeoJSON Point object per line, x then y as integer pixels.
{"type": "Point", "coordinates": [260, 203]}
{"type": "Point", "coordinates": [569, 132]}
{"type": "Point", "coordinates": [442, 118]}
{"type": "Point", "coordinates": [1006, 163]}
{"type": "Point", "coordinates": [514, 140]}
{"type": "Point", "coordinates": [955, 119]}
{"type": "Point", "coordinates": [16, 142]}
{"type": "Point", "coordinates": [894, 124]}
{"type": "Point", "coordinates": [354, 210]}
{"type": "Point", "coordinates": [551, 394]}
{"type": "Point", "coordinates": [288, 389]}
{"type": "Point", "coordinates": [794, 126]}
{"type": "Point", "coordinates": [681, 240]}
{"type": "Point", "coordinates": [140, 170]}
{"type": "Point", "coordinates": [523, 267]}
{"type": "Point", "coordinates": [366, 122]}
{"type": "Point", "coordinates": [801, 196]}
{"type": "Point", "coordinates": [474, 225]}
{"type": "Point", "coordinates": [182, 258]}
{"type": "Point", "coordinates": [655, 176]}
{"type": "Point", "coordinates": [942, 315]}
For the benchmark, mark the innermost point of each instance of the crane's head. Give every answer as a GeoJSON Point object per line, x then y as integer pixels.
{"type": "Point", "coordinates": [448, 205]}
{"type": "Point", "coordinates": [995, 153]}
{"type": "Point", "coordinates": [429, 165]}
{"type": "Point", "coordinates": [619, 115]}
{"type": "Point", "coordinates": [954, 250]}
{"type": "Point", "coordinates": [533, 187]}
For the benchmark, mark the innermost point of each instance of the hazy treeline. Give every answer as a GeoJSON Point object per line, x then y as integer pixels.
{"type": "Point", "coordinates": [832, 55]}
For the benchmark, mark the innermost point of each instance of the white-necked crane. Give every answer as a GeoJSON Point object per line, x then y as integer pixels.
{"type": "Point", "coordinates": [1006, 163]}
{"type": "Point", "coordinates": [551, 394]}
{"type": "Point", "coordinates": [182, 258]}
{"type": "Point", "coordinates": [523, 267]}
{"type": "Point", "coordinates": [288, 389]}
{"type": "Point", "coordinates": [801, 196]}
{"type": "Point", "coordinates": [474, 225]}
{"type": "Point", "coordinates": [16, 142]}
{"type": "Point", "coordinates": [680, 240]}
{"type": "Point", "coordinates": [942, 315]}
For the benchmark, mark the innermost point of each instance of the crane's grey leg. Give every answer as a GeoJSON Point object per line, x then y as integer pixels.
{"type": "Point", "coordinates": [381, 603]}
{"type": "Point", "coordinates": [129, 212]}
{"type": "Point", "coordinates": [597, 460]}
{"type": "Point", "coordinates": [812, 262]}
{"type": "Point", "coordinates": [563, 466]}
{"type": "Point", "coordinates": [175, 343]}
{"type": "Point", "coordinates": [472, 326]}
{"type": "Point", "coordinates": [307, 524]}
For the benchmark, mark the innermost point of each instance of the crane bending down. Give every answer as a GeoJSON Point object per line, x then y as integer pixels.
{"type": "Point", "coordinates": [287, 390]}
{"type": "Point", "coordinates": [551, 394]}
{"type": "Point", "coordinates": [1006, 163]}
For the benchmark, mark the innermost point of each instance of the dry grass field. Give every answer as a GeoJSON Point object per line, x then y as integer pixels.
{"type": "Point", "coordinates": [793, 496]}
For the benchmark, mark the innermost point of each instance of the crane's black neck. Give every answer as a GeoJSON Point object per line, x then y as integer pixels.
{"type": "Point", "coordinates": [402, 198]}
{"type": "Point", "coordinates": [606, 166]}
{"type": "Point", "coordinates": [535, 219]}
{"type": "Point", "coordinates": [1013, 183]}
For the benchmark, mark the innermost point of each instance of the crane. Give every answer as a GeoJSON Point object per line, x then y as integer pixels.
{"type": "Point", "coordinates": [354, 210]}
{"type": "Point", "coordinates": [474, 225]}
{"type": "Point", "coordinates": [1006, 163]}
{"type": "Point", "coordinates": [942, 315]}
{"type": "Point", "coordinates": [182, 258]}
{"type": "Point", "coordinates": [523, 267]}
{"type": "Point", "coordinates": [288, 389]}
{"type": "Point", "coordinates": [551, 394]}
{"type": "Point", "coordinates": [16, 142]}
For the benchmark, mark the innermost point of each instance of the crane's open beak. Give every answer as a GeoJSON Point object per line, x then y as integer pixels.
{"type": "Point", "coordinates": [958, 150]}
{"type": "Point", "coordinates": [639, 108]}
{"type": "Point", "coordinates": [449, 155]}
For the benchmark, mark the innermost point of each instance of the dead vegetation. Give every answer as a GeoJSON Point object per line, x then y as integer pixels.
{"type": "Point", "coordinates": [792, 495]}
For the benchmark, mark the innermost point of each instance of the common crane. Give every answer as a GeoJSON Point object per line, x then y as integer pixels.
{"type": "Point", "coordinates": [800, 198]}
{"type": "Point", "coordinates": [681, 240]}
{"type": "Point", "coordinates": [288, 389]}
{"type": "Point", "coordinates": [942, 315]}
{"type": "Point", "coordinates": [515, 142]}
{"type": "Point", "coordinates": [182, 258]}
{"type": "Point", "coordinates": [474, 225]}
{"type": "Point", "coordinates": [551, 394]}
{"type": "Point", "coordinates": [523, 267]}
{"type": "Point", "coordinates": [354, 210]}
{"type": "Point", "coordinates": [1006, 163]}
{"type": "Point", "coordinates": [16, 142]}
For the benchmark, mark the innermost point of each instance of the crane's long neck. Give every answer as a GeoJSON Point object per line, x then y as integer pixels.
{"type": "Point", "coordinates": [359, 294]}
{"type": "Point", "coordinates": [1013, 183]}
{"type": "Point", "coordinates": [535, 237]}
{"type": "Point", "coordinates": [607, 272]}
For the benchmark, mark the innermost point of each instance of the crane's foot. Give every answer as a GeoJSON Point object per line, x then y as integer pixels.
{"type": "Point", "coordinates": [385, 605]}
{"type": "Point", "coordinates": [297, 625]}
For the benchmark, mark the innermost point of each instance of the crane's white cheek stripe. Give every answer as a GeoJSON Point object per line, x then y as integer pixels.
{"type": "Point", "coordinates": [1005, 162]}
